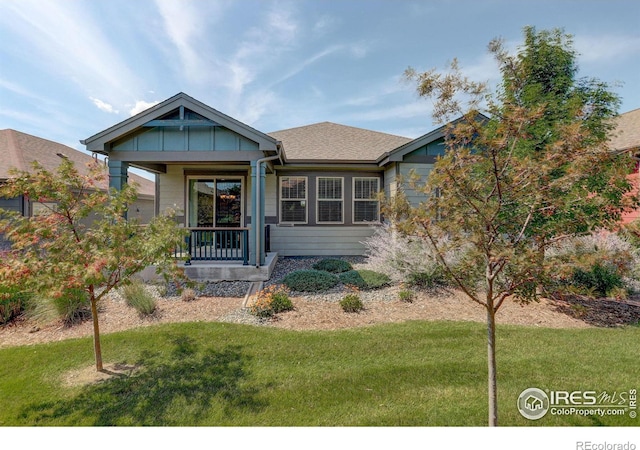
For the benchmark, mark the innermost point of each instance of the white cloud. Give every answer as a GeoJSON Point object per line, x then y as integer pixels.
{"type": "Point", "coordinates": [140, 106]}
{"type": "Point", "coordinates": [607, 47]}
{"type": "Point", "coordinates": [184, 25]}
{"type": "Point", "coordinates": [103, 106]}
{"type": "Point", "coordinates": [307, 62]}
{"type": "Point", "coordinates": [324, 25]}
{"type": "Point", "coordinates": [71, 43]}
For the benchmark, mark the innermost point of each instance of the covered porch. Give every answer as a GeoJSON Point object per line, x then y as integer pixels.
{"type": "Point", "coordinates": [210, 170]}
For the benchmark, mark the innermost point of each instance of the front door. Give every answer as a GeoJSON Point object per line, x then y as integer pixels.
{"type": "Point", "coordinates": [215, 202]}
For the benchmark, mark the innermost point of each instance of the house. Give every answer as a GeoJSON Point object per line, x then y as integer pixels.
{"type": "Point", "coordinates": [247, 196]}
{"type": "Point", "coordinates": [626, 138]}
{"type": "Point", "coordinates": [18, 150]}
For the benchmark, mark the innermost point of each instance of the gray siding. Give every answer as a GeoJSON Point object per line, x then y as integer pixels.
{"type": "Point", "coordinates": [423, 171]}
{"type": "Point", "coordinates": [319, 241]}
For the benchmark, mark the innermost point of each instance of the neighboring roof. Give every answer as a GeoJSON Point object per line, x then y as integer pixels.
{"type": "Point", "coordinates": [18, 150]}
{"type": "Point", "coordinates": [331, 142]}
{"type": "Point", "coordinates": [627, 133]}
{"type": "Point", "coordinates": [99, 142]}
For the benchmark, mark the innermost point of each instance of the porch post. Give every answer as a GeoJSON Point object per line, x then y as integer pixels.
{"type": "Point", "coordinates": [257, 213]}
{"type": "Point", "coordinates": [118, 175]}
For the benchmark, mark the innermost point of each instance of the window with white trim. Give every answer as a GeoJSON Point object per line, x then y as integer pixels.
{"type": "Point", "coordinates": [293, 199]}
{"type": "Point", "coordinates": [329, 198]}
{"type": "Point", "coordinates": [366, 206]}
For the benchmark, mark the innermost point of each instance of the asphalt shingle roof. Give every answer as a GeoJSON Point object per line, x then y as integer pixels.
{"type": "Point", "coordinates": [332, 142]}
{"type": "Point", "coordinates": [18, 150]}
{"type": "Point", "coordinates": [627, 133]}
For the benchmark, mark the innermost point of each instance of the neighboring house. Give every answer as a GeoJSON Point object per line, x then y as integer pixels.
{"type": "Point", "coordinates": [19, 150]}
{"type": "Point", "coordinates": [626, 138]}
{"type": "Point", "coordinates": [311, 190]}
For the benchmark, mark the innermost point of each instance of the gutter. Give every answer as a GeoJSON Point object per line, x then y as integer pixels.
{"type": "Point", "coordinates": [257, 220]}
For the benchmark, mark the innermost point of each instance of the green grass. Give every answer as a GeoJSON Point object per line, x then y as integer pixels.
{"type": "Point", "coordinates": [410, 374]}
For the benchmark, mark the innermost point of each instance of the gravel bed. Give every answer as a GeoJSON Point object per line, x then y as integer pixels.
{"type": "Point", "coordinates": [283, 266]}
{"type": "Point", "coordinates": [213, 289]}
{"type": "Point", "coordinates": [289, 264]}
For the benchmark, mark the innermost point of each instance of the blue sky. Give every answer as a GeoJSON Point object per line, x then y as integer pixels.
{"type": "Point", "coordinates": [71, 68]}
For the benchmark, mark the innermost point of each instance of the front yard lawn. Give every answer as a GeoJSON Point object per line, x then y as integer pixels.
{"type": "Point", "coordinates": [409, 374]}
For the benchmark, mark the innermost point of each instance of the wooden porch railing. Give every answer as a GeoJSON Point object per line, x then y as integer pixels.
{"type": "Point", "coordinates": [216, 244]}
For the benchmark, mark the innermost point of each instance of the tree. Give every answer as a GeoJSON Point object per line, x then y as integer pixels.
{"type": "Point", "coordinates": [83, 242]}
{"type": "Point", "coordinates": [532, 169]}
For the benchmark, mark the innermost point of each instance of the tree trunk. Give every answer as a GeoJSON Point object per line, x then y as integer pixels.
{"type": "Point", "coordinates": [96, 334]}
{"type": "Point", "coordinates": [491, 363]}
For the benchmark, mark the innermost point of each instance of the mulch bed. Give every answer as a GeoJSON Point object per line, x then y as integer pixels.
{"type": "Point", "coordinates": [600, 312]}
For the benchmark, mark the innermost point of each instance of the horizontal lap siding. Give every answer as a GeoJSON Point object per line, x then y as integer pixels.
{"type": "Point", "coordinates": [422, 170]}
{"type": "Point", "coordinates": [171, 187]}
{"type": "Point", "coordinates": [319, 241]}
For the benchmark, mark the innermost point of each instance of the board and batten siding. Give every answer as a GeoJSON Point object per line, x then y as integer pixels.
{"type": "Point", "coordinates": [319, 240]}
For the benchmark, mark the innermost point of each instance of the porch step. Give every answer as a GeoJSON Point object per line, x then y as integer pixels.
{"type": "Point", "coordinates": [253, 290]}
{"type": "Point", "coordinates": [222, 271]}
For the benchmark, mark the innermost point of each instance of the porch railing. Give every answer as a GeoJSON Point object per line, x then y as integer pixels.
{"type": "Point", "coordinates": [216, 244]}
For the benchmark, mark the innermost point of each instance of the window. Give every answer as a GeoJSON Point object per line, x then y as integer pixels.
{"type": "Point", "coordinates": [329, 198]}
{"type": "Point", "coordinates": [366, 206]}
{"type": "Point", "coordinates": [215, 202]}
{"type": "Point", "coordinates": [293, 199]}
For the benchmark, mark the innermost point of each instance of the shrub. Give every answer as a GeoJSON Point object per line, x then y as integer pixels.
{"type": "Point", "coordinates": [351, 303]}
{"type": "Point", "coordinates": [188, 295]}
{"type": "Point", "coordinates": [405, 258]}
{"type": "Point", "coordinates": [280, 301]}
{"type": "Point", "coordinates": [137, 296]}
{"type": "Point", "coordinates": [601, 279]}
{"type": "Point", "coordinates": [427, 280]}
{"type": "Point", "coordinates": [406, 296]}
{"type": "Point", "coordinates": [593, 265]}
{"type": "Point", "coordinates": [13, 303]}
{"type": "Point", "coordinates": [364, 279]}
{"type": "Point", "coordinates": [310, 280]}
{"type": "Point", "coordinates": [333, 265]}
{"type": "Point", "coordinates": [271, 301]}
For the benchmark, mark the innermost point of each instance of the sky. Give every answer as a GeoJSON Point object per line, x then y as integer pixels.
{"type": "Point", "coordinates": [72, 68]}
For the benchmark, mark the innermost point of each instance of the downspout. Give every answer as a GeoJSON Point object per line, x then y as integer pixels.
{"type": "Point", "coordinates": [257, 220]}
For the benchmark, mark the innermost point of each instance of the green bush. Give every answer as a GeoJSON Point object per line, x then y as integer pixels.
{"type": "Point", "coordinates": [601, 279]}
{"type": "Point", "coordinates": [271, 301]}
{"type": "Point", "coordinates": [333, 265]}
{"type": "Point", "coordinates": [137, 296]}
{"type": "Point", "coordinates": [280, 301]}
{"type": "Point", "coordinates": [351, 303]}
{"type": "Point", "coordinates": [364, 279]}
{"type": "Point", "coordinates": [13, 303]}
{"type": "Point", "coordinates": [310, 280]}
{"type": "Point", "coordinates": [426, 280]}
